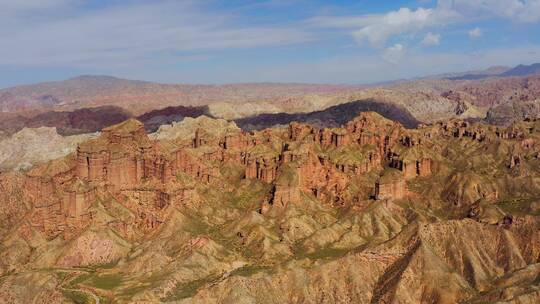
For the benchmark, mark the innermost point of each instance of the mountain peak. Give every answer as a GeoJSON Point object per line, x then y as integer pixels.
{"type": "Point", "coordinates": [523, 70]}
{"type": "Point", "coordinates": [94, 77]}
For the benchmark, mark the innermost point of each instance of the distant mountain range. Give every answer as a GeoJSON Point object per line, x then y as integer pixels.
{"type": "Point", "coordinates": [520, 70]}
{"type": "Point", "coordinates": [88, 103]}
{"type": "Point", "coordinates": [139, 96]}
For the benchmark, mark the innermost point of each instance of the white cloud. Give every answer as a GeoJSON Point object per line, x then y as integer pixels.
{"type": "Point", "coordinates": [431, 39]}
{"type": "Point", "coordinates": [377, 29]}
{"type": "Point", "coordinates": [393, 54]}
{"type": "Point", "coordinates": [352, 22]}
{"type": "Point", "coordinates": [482, 7]}
{"type": "Point", "coordinates": [475, 33]}
{"type": "Point", "coordinates": [126, 33]}
{"type": "Point", "coordinates": [531, 13]}
{"type": "Point", "coordinates": [516, 10]}
{"type": "Point", "coordinates": [397, 22]}
{"type": "Point", "coordinates": [136, 34]}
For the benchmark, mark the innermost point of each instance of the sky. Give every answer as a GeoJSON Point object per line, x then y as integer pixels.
{"type": "Point", "coordinates": [232, 41]}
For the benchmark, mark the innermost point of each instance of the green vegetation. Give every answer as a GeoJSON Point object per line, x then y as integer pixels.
{"type": "Point", "coordinates": [264, 151]}
{"type": "Point", "coordinates": [324, 253]}
{"type": "Point", "coordinates": [77, 280]}
{"type": "Point", "coordinates": [350, 154]}
{"type": "Point", "coordinates": [250, 197]}
{"type": "Point", "coordinates": [233, 173]}
{"type": "Point", "coordinates": [288, 175]}
{"type": "Point", "coordinates": [519, 206]}
{"type": "Point", "coordinates": [105, 281]}
{"type": "Point", "coordinates": [249, 270]}
{"type": "Point", "coordinates": [78, 297]}
{"type": "Point", "coordinates": [222, 226]}
{"type": "Point", "coordinates": [184, 178]}
{"type": "Point", "coordinates": [188, 290]}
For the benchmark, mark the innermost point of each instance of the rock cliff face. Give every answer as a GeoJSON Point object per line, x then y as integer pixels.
{"type": "Point", "coordinates": [390, 186]}
{"type": "Point", "coordinates": [121, 157]}
{"type": "Point", "coordinates": [203, 212]}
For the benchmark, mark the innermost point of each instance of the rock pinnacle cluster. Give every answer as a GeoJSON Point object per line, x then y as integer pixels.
{"type": "Point", "coordinates": [204, 212]}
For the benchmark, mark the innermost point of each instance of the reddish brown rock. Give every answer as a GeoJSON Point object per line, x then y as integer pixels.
{"type": "Point", "coordinates": [193, 167]}
{"type": "Point", "coordinates": [298, 161]}
{"type": "Point", "coordinates": [219, 202]}
{"type": "Point", "coordinates": [236, 141]}
{"type": "Point", "coordinates": [412, 168]}
{"type": "Point", "coordinates": [298, 131]}
{"type": "Point", "coordinates": [390, 186]}
{"type": "Point", "coordinates": [264, 168]}
{"type": "Point", "coordinates": [77, 198]}
{"type": "Point", "coordinates": [284, 195]}
{"type": "Point", "coordinates": [118, 157]}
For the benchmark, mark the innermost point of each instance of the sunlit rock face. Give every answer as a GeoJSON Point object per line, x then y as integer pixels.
{"type": "Point", "coordinates": [31, 146]}
{"type": "Point", "coordinates": [120, 157]}
{"type": "Point", "coordinates": [203, 212]}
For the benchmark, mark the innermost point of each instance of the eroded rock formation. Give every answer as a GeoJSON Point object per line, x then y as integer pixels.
{"type": "Point", "coordinates": [204, 212]}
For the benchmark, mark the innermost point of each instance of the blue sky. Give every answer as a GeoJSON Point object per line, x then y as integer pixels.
{"type": "Point", "coordinates": [230, 41]}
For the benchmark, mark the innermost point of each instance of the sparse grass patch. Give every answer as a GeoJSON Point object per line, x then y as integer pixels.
{"type": "Point", "coordinates": [188, 290]}
{"type": "Point", "coordinates": [106, 281]}
{"type": "Point", "coordinates": [324, 253]}
{"type": "Point", "coordinates": [77, 297]}
{"type": "Point", "coordinates": [251, 197]}
{"type": "Point", "coordinates": [518, 206]}
{"type": "Point", "coordinates": [78, 280]}
{"type": "Point", "coordinates": [250, 270]}
{"type": "Point", "coordinates": [131, 291]}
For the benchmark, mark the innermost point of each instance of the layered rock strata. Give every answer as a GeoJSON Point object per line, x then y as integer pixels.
{"type": "Point", "coordinates": [370, 212]}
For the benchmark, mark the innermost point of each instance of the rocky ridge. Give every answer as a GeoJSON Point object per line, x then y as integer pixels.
{"type": "Point", "coordinates": [36, 145]}
{"type": "Point", "coordinates": [203, 212]}
{"type": "Point", "coordinates": [90, 91]}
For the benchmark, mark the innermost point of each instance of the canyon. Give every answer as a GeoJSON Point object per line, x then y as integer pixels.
{"type": "Point", "coordinates": [270, 152]}
{"type": "Point", "coordinates": [365, 210]}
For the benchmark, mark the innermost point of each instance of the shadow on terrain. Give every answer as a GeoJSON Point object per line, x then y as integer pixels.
{"type": "Point", "coordinates": [153, 119]}
{"type": "Point", "coordinates": [334, 116]}
{"type": "Point", "coordinates": [89, 120]}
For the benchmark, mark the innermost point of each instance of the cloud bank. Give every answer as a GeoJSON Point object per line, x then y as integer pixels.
{"type": "Point", "coordinates": [212, 41]}
{"type": "Point", "coordinates": [59, 32]}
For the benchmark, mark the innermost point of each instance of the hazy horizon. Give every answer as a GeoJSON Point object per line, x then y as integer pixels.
{"type": "Point", "coordinates": [237, 83]}
{"type": "Point", "coordinates": [299, 41]}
